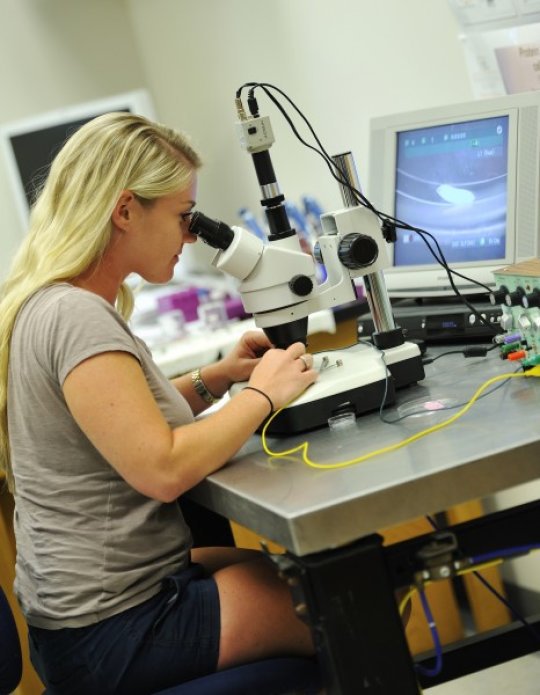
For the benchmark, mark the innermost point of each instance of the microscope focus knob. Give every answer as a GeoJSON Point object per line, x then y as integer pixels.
{"type": "Point", "coordinates": [357, 251]}
{"type": "Point", "coordinates": [302, 285]}
{"type": "Point", "coordinates": [317, 253]}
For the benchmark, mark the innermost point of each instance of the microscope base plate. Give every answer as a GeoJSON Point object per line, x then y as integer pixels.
{"type": "Point", "coordinates": [354, 378]}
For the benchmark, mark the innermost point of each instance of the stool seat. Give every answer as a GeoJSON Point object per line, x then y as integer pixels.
{"type": "Point", "coordinates": [278, 676]}
{"type": "Point", "coordinates": [10, 649]}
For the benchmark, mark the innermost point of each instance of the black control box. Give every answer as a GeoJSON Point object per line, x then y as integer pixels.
{"type": "Point", "coordinates": [442, 322]}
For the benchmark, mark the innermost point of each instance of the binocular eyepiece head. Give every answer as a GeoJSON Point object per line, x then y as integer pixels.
{"type": "Point", "coordinates": [213, 232]}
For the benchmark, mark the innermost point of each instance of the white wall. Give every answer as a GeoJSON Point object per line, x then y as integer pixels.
{"type": "Point", "coordinates": [341, 61]}
{"type": "Point", "coordinates": [56, 53]}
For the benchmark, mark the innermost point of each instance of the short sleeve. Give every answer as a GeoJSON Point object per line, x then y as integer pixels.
{"type": "Point", "coordinates": [76, 325]}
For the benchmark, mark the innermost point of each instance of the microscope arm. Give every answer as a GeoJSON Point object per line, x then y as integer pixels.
{"type": "Point", "coordinates": [278, 279]}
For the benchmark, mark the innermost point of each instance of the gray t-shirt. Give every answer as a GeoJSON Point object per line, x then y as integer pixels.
{"type": "Point", "coordinates": [88, 544]}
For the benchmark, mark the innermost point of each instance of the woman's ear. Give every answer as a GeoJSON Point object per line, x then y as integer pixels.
{"type": "Point", "coordinates": [124, 210]}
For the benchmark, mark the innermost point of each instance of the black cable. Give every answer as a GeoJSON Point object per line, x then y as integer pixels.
{"type": "Point", "coordinates": [516, 614]}
{"type": "Point", "coordinates": [468, 351]}
{"type": "Point", "coordinates": [340, 176]}
{"type": "Point", "coordinates": [359, 197]}
{"type": "Point", "coordinates": [446, 407]}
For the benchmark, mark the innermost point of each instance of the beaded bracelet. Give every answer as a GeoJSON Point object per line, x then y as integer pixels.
{"type": "Point", "coordinates": [201, 388]}
{"type": "Point", "coordinates": [252, 388]}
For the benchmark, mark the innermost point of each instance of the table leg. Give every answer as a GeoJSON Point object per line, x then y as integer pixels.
{"type": "Point", "coordinates": [347, 597]}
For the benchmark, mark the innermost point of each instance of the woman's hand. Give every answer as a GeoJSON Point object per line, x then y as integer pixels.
{"type": "Point", "coordinates": [281, 374]}
{"type": "Point", "coordinates": [284, 374]}
{"type": "Point", "coordinates": [238, 364]}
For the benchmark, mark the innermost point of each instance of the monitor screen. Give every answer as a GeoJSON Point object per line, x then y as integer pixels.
{"type": "Point", "coordinates": [452, 180]}
{"type": "Point", "coordinates": [34, 151]}
{"type": "Point", "coordinates": [469, 174]}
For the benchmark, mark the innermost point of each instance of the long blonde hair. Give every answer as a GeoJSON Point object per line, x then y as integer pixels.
{"type": "Point", "coordinates": [70, 223]}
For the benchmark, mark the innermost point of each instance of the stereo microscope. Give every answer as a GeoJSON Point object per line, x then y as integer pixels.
{"type": "Point", "coordinates": [278, 287]}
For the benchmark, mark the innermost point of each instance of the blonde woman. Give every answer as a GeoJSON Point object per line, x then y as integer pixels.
{"type": "Point", "coordinates": [98, 445]}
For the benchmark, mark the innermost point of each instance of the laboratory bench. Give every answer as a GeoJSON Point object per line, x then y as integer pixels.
{"type": "Point", "coordinates": [328, 522]}
{"type": "Point", "coordinates": [338, 535]}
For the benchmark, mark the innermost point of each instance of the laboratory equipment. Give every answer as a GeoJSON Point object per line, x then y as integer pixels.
{"type": "Point", "coordinates": [468, 173]}
{"type": "Point", "coordinates": [278, 287]}
{"type": "Point", "coordinates": [518, 294]}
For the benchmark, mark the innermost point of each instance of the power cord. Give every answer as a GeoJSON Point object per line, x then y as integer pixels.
{"type": "Point", "coordinates": [422, 411]}
{"type": "Point", "coordinates": [471, 352]}
{"type": "Point", "coordinates": [437, 668]}
{"type": "Point", "coordinates": [496, 557]}
{"type": "Point", "coordinates": [303, 448]}
{"type": "Point", "coordinates": [389, 223]}
{"type": "Point", "coordinates": [480, 562]}
{"type": "Point", "coordinates": [468, 351]}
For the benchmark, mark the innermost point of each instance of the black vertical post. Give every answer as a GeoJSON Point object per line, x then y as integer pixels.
{"type": "Point", "coordinates": [348, 598]}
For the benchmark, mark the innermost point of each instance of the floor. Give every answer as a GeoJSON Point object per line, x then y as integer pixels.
{"type": "Point", "coordinates": [518, 677]}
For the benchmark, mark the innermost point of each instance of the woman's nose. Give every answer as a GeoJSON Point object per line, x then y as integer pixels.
{"type": "Point", "coordinates": [189, 238]}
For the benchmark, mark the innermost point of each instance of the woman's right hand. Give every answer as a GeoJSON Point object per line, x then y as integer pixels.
{"type": "Point", "coordinates": [284, 374]}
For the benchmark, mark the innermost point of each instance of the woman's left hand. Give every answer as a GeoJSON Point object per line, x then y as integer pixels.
{"type": "Point", "coordinates": [238, 364]}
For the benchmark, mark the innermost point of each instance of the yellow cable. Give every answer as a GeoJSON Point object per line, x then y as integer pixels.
{"type": "Point", "coordinates": [482, 567]}
{"type": "Point", "coordinates": [535, 371]}
{"type": "Point", "coordinates": [467, 570]}
{"type": "Point", "coordinates": [414, 588]}
{"type": "Point", "coordinates": [406, 598]}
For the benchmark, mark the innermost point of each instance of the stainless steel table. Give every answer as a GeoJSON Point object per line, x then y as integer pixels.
{"type": "Point", "coordinates": [327, 519]}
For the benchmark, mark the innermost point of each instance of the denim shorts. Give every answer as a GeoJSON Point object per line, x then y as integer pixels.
{"type": "Point", "coordinates": [171, 638]}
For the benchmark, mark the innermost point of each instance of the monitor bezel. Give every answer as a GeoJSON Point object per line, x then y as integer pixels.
{"type": "Point", "coordinates": [136, 101]}
{"type": "Point", "coordinates": [431, 280]}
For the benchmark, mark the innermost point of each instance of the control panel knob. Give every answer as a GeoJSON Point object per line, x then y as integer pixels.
{"type": "Point", "coordinates": [301, 285]}
{"type": "Point", "coordinates": [531, 300]}
{"type": "Point", "coordinates": [357, 251]}
{"type": "Point", "coordinates": [514, 298]}
{"type": "Point", "coordinates": [499, 295]}
{"type": "Point", "coordinates": [524, 323]}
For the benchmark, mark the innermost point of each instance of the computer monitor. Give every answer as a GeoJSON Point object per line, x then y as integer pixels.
{"type": "Point", "coordinates": [467, 173]}
{"type": "Point", "coordinates": [30, 144]}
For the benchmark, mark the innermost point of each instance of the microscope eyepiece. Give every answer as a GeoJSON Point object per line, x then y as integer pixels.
{"type": "Point", "coordinates": [213, 232]}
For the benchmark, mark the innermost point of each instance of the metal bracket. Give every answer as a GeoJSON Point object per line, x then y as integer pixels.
{"type": "Point", "coordinates": [437, 558]}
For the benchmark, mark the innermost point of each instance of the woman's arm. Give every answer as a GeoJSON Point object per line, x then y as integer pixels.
{"type": "Point", "coordinates": [218, 377]}
{"type": "Point", "coordinates": [111, 402]}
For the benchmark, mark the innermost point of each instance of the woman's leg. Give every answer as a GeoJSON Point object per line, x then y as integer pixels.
{"type": "Point", "coordinates": [257, 614]}
{"type": "Point", "coordinates": [215, 558]}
